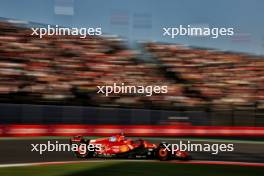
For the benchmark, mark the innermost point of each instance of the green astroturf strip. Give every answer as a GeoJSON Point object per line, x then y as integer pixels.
{"type": "Point", "coordinates": [117, 168]}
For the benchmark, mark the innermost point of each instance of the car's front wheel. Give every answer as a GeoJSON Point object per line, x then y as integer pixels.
{"type": "Point", "coordinates": [163, 153]}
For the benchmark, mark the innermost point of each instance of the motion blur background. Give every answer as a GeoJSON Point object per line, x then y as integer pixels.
{"type": "Point", "coordinates": [215, 86]}
{"type": "Point", "coordinates": [215, 82]}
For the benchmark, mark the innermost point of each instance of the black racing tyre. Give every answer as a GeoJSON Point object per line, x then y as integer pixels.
{"type": "Point", "coordinates": [82, 151]}
{"type": "Point", "coordinates": [163, 154]}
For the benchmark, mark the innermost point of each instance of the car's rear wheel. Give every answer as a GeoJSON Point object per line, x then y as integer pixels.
{"type": "Point", "coordinates": [82, 151]}
{"type": "Point", "coordinates": [80, 148]}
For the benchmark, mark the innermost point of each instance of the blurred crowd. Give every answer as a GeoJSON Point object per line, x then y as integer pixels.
{"type": "Point", "coordinates": [67, 70]}
{"type": "Point", "coordinates": [219, 78]}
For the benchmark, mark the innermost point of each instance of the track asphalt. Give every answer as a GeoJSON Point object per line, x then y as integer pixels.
{"type": "Point", "coordinates": [19, 151]}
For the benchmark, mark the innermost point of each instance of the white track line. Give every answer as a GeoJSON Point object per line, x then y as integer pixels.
{"type": "Point", "coordinates": [176, 162]}
{"type": "Point", "coordinates": [46, 163]}
{"type": "Point", "coordinates": [219, 163]}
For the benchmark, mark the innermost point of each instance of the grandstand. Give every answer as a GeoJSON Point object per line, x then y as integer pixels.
{"type": "Point", "coordinates": [66, 71]}
{"type": "Point", "coordinates": [218, 78]}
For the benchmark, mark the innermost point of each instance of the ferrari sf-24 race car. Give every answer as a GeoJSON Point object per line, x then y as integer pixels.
{"type": "Point", "coordinates": [118, 146]}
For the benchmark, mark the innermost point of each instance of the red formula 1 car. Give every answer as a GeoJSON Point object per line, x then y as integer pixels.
{"type": "Point", "coordinates": [119, 146]}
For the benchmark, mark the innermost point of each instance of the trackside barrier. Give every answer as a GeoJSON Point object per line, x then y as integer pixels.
{"type": "Point", "coordinates": [1, 130]}
{"type": "Point", "coordinates": [129, 130]}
